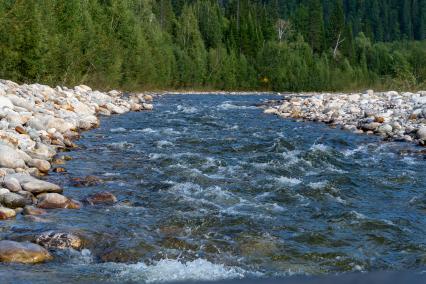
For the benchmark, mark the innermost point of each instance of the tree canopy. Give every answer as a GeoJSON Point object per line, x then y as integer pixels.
{"type": "Point", "coordinates": [284, 45]}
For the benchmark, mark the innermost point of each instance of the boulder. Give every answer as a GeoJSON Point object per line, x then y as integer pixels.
{"type": "Point", "coordinates": [147, 106]}
{"type": "Point", "coordinates": [385, 129]}
{"type": "Point", "coordinates": [59, 240]}
{"type": "Point", "coordinates": [270, 111]}
{"type": "Point", "coordinates": [36, 186]}
{"type": "Point", "coordinates": [23, 252]}
{"type": "Point", "coordinates": [104, 197]}
{"type": "Point", "coordinates": [56, 201]}
{"type": "Point", "coordinates": [33, 211]}
{"type": "Point", "coordinates": [5, 103]}
{"type": "Point", "coordinates": [10, 158]}
{"type": "Point", "coordinates": [12, 200]}
{"type": "Point", "coordinates": [41, 165]}
{"type": "Point", "coordinates": [6, 213]}
{"type": "Point", "coordinates": [421, 133]}
{"type": "Point", "coordinates": [86, 181]}
{"type": "Point", "coordinates": [372, 126]}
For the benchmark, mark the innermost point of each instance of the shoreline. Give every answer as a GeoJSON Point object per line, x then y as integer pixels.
{"type": "Point", "coordinates": [393, 116]}
{"type": "Point", "coordinates": [37, 123]}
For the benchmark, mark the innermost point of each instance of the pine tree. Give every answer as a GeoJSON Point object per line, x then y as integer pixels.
{"type": "Point", "coordinates": [336, 25]}
{"type": "Point", "coordinates": [315, 30]}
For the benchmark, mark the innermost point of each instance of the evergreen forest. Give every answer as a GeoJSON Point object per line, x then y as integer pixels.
{"type": "Point", "coordinates": [280, 45]}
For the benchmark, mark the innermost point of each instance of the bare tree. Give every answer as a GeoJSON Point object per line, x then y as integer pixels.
{"type": "Point", "coordinates": [338, 43]}
{"type": "Point", "coordinates": [284, 28]}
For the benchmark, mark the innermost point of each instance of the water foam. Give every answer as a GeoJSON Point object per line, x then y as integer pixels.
{"type": "Point", "coordinates": [289, 181]}
{"type": "Point", "coordinates": [122, 145]}
{"type": "Point", "coordinates": [119, 129]}
{"type": "Point", "coordinates": [163, 143]}
{"type": "Point", "coordinates": [229, 106]}
{"type": "Point", "coordinates": [187, 109]}
{"type": "Point", "coordinates": [168, 270]}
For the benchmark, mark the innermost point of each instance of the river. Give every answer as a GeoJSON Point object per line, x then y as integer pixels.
{"type": "Point", "coordinates": [209, 187]}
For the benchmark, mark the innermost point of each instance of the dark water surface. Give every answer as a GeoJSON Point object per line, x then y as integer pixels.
{"type": "Point", "coordinates": [209, 187]}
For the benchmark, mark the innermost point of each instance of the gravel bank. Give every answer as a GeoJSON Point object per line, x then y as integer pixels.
{"type": "Point", "coordinates": [36, 123]}
{"type": "Point", "coordinates": [392, 115]}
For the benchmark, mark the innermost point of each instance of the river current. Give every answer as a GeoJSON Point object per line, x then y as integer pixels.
{"type": "Point", "coordinates": [210, 188]}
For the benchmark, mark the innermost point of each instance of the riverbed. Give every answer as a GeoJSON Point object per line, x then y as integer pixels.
{"type": "Point", "coordinates": [209, 188]}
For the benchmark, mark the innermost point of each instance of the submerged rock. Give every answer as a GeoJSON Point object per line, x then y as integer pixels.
{"type": "Point", "coordinates": [86, 181]}
{"type": "Point", "coordinates": [59, 240]}
{"type": "Point", "coordinates": [33, 211]}
{"type": "Point", "coordinates": [104, 197]}
{"type": "Point", "coordinates": [23, 252]}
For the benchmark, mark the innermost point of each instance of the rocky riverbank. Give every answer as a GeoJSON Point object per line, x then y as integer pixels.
{"type": "Point", "coordinates": [36, 123]}
{"type": "Point", "coordinates": [392, 115]}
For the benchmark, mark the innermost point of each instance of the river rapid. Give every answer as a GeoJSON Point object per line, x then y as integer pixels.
{"type": "Point", "coordinates": [210, 188]}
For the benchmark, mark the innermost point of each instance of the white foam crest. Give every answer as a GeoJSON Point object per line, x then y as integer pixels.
{"type": "Point", "coordinates": [78, 257]}
{"type": "Point", "coordinates": [168, 270]}
{"type": "Point", "coordinates": [157, 156]}
{"type": "Point", "coordinates": [170, 131]}
{"type": "Point", "coordinates": [164, 143]}
{"type": "Point", "coordinates": [119, 129]}
{"type": "Point", "coordinates": [146, 130]}
{"type": "Point", "coordinates": [336, 198]}
{"type": "Point", "coordinates": [187, 109]}
{"type": "Point", "coordinates": [292, 157]}
{"type": "Point", "coordinates": [318, 185]}
{"type": "Point", "coordinates": [331, 168]}
{"type": "Point", "coordinates": [320, 148]}
{"type": "Point", "coordinates": [261, 166]}
{"type": "Point", "coordinates": [122, 145]}
{"type": "Point", "coordinates": [410, 160]}
{"type": "Point", "coordinates": [358, 215]}
{"type": "Point", "coordinates": [110, 174]}
{"type": "Point", "coordinates": [351, 152]}
{"type": "Point", "coordinates": [214, 195]}
{"type": "Point", "coordinates": [288, 181]}
{"type": "Point", "coordinates": [229, 106]}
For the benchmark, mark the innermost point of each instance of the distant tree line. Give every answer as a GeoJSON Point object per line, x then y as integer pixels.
{"type": "Point", "coordinates": [285, 45]}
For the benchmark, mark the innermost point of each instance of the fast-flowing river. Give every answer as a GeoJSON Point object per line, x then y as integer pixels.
{"type": "Point", "coordinates": [209, 187]}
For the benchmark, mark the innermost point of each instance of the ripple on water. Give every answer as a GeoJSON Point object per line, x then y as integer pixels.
{"type": "Point", "coordinates": [225, 174]}
{"type": "Point", "coordinates": [167, 270]}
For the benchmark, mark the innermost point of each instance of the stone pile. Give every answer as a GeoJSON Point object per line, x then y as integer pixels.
{"type": "Point", "coordinates": [36, 122]}
{"type": "Point", "coordinates": [394, 116]}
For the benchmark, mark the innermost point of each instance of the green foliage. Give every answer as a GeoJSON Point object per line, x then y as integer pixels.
{"type": "Point", "coordinates": [227, 44]}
